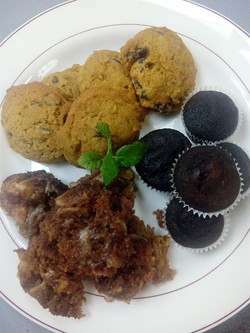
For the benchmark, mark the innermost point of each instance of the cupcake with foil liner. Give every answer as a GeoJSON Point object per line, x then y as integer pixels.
{"type": "Point", "coordinates": [207, 180]}
{"type": "Point", "coordinates": [163, 147]}
{"type": "Point", "coordinates": [242, 157]}
{"type": "Point", "coordinates": [211, 115]}
{"type": "Point", "coordinates": [193, 232]}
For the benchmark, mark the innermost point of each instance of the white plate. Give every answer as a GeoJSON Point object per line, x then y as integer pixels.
{"type": "Point", "coordinates": [208, 288]}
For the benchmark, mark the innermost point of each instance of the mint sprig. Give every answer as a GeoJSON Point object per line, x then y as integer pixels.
{"type": "Point", "coordinates": [126, 156]}
{"type": "Point", "coordinates": [131, 154]}
{"type": "Point", "coordinates": [90, 160]}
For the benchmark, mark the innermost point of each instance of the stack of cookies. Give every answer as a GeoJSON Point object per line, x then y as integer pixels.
{"type": "Point", "coordinates": [55, 119]}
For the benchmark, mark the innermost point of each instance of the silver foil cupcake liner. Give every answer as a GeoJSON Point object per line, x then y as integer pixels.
{"type": "Point", "coordinates": [151, 187]}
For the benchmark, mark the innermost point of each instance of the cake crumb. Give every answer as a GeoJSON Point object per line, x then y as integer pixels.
{"type": "Point", "coordinates": [159, 213]}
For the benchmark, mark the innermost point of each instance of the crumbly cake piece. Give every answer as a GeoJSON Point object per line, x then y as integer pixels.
{"type": "Point", "coordinates": [92, 233]}
{"type": "Point", "coordinates": [27, 197]}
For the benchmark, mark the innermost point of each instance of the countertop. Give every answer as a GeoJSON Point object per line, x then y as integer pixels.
{"type": "Point", "coordinates": [13, 13]}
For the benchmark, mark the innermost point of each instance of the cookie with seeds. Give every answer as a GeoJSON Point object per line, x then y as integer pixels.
{"type": "Point", "coordinates": [99, 104]}
{"type": "Point", "coordinates": [66, 80]}
{"type": "Point", "coordinates": [31, 117]}
{"type": "Point", "coordinates": [161, 67]}
{"type": "Point", "coordinates": [104, 69]}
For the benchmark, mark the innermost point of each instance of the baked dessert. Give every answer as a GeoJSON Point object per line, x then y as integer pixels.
{"type": "Point", "coordinates": [243, 162]}
{"type": "Point", "coordinates": [66, 80]}
{"type": "Point", "coordinates": [210, 116]}
{"type": "Point", "coordinates": [93, 234]}
{"type": "Point", "coordinates": [103, 68]}
{"type": "Point", "coordinates": [79, 134]}
{"type": "Point", "coordinates": [163, 147]}
{"type": "Point", "coordinates": [27, 197]}
{"type": "Point", "coordinates": [31, 116]}
{"type": "Point", "coordinates": [191, 230]}
{"type": "Point", "coordinates": [207, 179]}
{"type": "Point", "coordinates": [161, 67]}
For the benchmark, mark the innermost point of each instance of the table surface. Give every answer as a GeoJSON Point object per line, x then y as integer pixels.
{"type": "Point", "coordinates": [14, 13]}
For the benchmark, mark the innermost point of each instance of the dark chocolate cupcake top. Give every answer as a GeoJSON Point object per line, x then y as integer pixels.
{"type": "Point", "coordinates": [210, 116]}
{"type": "Point", "coordinates": [243, 161]}
{"type": "Point", "coordinates": [163, 147]}
{"type": "Point", "coordinates": [191, 230]}
{"type": "Point", "coordinates": [206, 179]}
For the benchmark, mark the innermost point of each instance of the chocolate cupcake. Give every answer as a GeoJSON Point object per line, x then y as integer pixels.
{"type": "Point", "coordinates": [243, 161]}
{"type": "Point", "coordinates": [206, 179]}
{"type": "Point", "coordinates": [210, 116]}
{"type": "Point", "coordinates": [191, 230]}
{"type": "Point", "coordinates": [163, 147]}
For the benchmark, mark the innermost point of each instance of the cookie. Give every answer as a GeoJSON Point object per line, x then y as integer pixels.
{"type": "Point", "coordinates": [161, 67]}
{"type": "Point", "coordinates": [104, 69]}
{"type": "Point", "coordinates": [79, 134]}
{"type": "Point", "coordinates": [31, 116]}
{"type": "Point", "coordinates": [66, 80]}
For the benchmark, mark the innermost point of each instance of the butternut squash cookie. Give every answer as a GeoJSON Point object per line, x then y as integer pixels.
{"type": "Point", "coordinates": [161, 67]}
{"type": "Point", "coordinates": [103, 68]}
{"type": "Point", "coordinates": [79, 135]}
{"type": "Point", "coordinates": [66, 80]}
{"type": "Point", "coordinates": [31, 115]}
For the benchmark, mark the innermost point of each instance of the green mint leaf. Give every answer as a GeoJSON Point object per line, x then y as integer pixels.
{"type": "Point", "coordinates": [109, 168]}
{"type": "Point", "coordinates": [126, 156]}
{"type": "Point", "coordinates": [131, 154]}
{"type": "Point", "coordinates": [103, 128]}
{"type": "Point", "coordinates": [89, 160]}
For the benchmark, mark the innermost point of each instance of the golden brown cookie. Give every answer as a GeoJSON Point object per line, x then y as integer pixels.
{"type": "Point", "coordinates": [105, 104]}
{"type": "Point", "coordinates": [32, 114]}
{"type": "Point", "coordinates": [66, 80]}
{"type": "Point", "coordinates": [161, 67]}
{"type": "Point", "coordinates": [103, 68]}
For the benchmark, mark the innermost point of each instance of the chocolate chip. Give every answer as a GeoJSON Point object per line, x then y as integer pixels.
{"type": "Point", "coordinates": [141, 60]}
{"type": "Point", "coordinates": [137, 84]}
{"type": "Point", "coordinates": [144, 95]}
{"type": "Point", "coordinates": [65, 118]}
{"type": "Point", "coordinates": [35, 103]}
{"type": "Point", "coordinates": [160, 32]}
{"type": "Point", "coordinates": [137, 53]}
{"type": "Point", "coordinates": [149, 65]}
{"type": "Point", "coordinates": [55, 79]}
{"type": "Point", "coordinates": [116, 60]}
{"type": "Point", "coordinates": [161, 108]}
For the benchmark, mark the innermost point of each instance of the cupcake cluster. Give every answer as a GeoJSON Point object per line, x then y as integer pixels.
{"type": "Point", "coordinates": [205, 174]}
